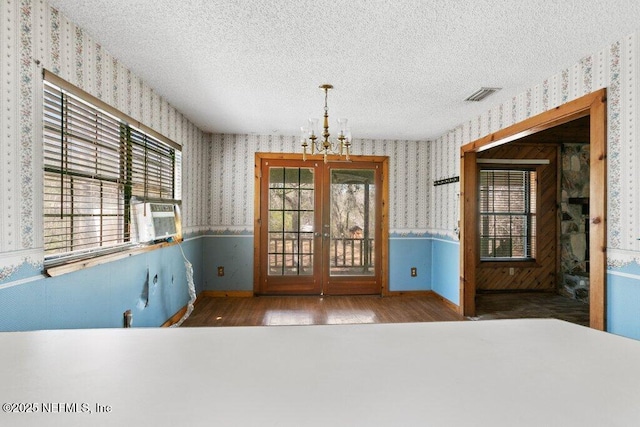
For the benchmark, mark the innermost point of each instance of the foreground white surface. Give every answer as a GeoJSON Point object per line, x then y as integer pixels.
{"type": "Point", "coordinates": [505, 372]}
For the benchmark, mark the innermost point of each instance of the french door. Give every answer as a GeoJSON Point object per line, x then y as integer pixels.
{"type": "Point", "coordinates": [320, 227]}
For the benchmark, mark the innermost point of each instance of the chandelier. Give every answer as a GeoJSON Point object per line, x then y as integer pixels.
{"type": "Point", "coordinates": [325, 145]}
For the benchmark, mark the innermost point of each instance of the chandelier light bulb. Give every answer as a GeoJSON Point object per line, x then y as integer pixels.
{"type": "Point", "coordinates": [304, 134]}
{"type": "Point", "coordinates": [313, 126]}
{"type": "Point", "coordinates": [342, 126]}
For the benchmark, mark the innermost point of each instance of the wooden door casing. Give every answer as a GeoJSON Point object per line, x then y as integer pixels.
{"type": "Point", "coordinates": [593, 105]}
{"type": "Point", "coordinates": [319, 284]}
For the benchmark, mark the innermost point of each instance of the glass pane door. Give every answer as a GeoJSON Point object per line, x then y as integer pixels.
{"type": "Point", "coordinates": [319, 226]}
{"type": "Point", "coordinates": [291, 221]}
{"type": "Point", "coordinates": [353, 219]}
{"type": "Point", "coordinates": [290, 249]}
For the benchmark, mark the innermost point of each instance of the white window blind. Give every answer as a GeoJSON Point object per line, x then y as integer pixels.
{"type": "Point", "coordinates": [94, 163]}
{"type": "Point", "coordinates": [507, 214]}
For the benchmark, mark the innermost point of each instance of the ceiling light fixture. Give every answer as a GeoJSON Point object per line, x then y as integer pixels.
{"type": "Point", "coordinates": [326, 146]}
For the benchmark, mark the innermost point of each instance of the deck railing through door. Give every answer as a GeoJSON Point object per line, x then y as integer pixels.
{"type": "Point", "coordinates": [345, 252]}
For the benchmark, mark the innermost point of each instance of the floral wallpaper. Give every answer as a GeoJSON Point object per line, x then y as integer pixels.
{"type": "Point", "coordinates": [232, 181]}
{"type": "Point", "coordinates": [614, 68]}
{"type": "Point", "coordinates": [36, 36]}
{"type": "Point", "coordinates": [217, 182]}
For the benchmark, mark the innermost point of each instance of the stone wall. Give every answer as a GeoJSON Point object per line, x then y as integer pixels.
{"type": "Point", "coordinates": [574, 243]}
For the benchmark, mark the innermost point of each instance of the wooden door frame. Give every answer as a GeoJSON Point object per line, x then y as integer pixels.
{"type": "Point", "coordinates": [384, 222]}
{"type": "Point", "coordinates": [593, 105]}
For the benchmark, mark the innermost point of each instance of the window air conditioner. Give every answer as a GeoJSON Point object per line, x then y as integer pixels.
{"type": "Point", "coordinates": [156, 220]}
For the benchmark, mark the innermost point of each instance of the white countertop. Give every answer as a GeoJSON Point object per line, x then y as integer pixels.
{"type": "Point", "coordinates": [500, 373]}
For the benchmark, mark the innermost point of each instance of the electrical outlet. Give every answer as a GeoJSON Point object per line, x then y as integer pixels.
{"type": "Point", "coordinates": [220, 271]}
{"type": "Point", "coordinates": [512, 271]}
{"type": "Point", "coordinates": [414, 272]}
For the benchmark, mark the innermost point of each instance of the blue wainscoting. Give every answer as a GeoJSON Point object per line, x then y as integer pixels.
{"type": "Point", "coordinates": [436, 260]}
{"type": "Point", "coordinates": [234, 252]}
{"type": "Point", "coordinates": [407, 252]}
{"type": "Point", "coordinates": [623, 301]}
{"type": "Point", "coordinates": [97, 297]}
{"type": "Point", "coordinates": [446, 269]}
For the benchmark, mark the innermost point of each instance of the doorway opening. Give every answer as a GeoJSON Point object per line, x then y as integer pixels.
{"type": "Point", "coordinates": [556, 284]}
{"type": "Point", "coordinates": [567, 145]}
{"type": "Point", "coordinates": [320, 228]}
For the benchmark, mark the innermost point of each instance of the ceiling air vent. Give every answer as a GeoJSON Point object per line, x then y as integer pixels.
{"type": "Point", "coordinates": [482, 93]}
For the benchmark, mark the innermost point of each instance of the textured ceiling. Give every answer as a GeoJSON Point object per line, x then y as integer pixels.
{"type": "Point", "coordinates": [401, 69]}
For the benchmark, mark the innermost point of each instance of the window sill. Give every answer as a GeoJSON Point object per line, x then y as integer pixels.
{"type": "Point", "coordinates": [520, 263]}
{"type": "Point", "coordinates": [72, 266]}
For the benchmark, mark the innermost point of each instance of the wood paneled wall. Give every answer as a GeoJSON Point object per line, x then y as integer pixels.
{"type": "Point", "coordinates": [541, 274]}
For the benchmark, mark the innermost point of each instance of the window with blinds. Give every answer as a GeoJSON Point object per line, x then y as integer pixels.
{"type": "Point", "coordinates": [507, 214]}
{"type": "Point", "coordinates": [94, 164]}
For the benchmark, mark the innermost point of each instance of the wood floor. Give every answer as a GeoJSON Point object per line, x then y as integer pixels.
{"type": "Point", "coordinates": [334, 310]}
{"type": "Point", "coordinates": [308, 310]}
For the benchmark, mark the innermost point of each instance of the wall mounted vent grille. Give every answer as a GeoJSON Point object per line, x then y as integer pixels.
{"type": "Point", "coordinates": [482, 93]}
